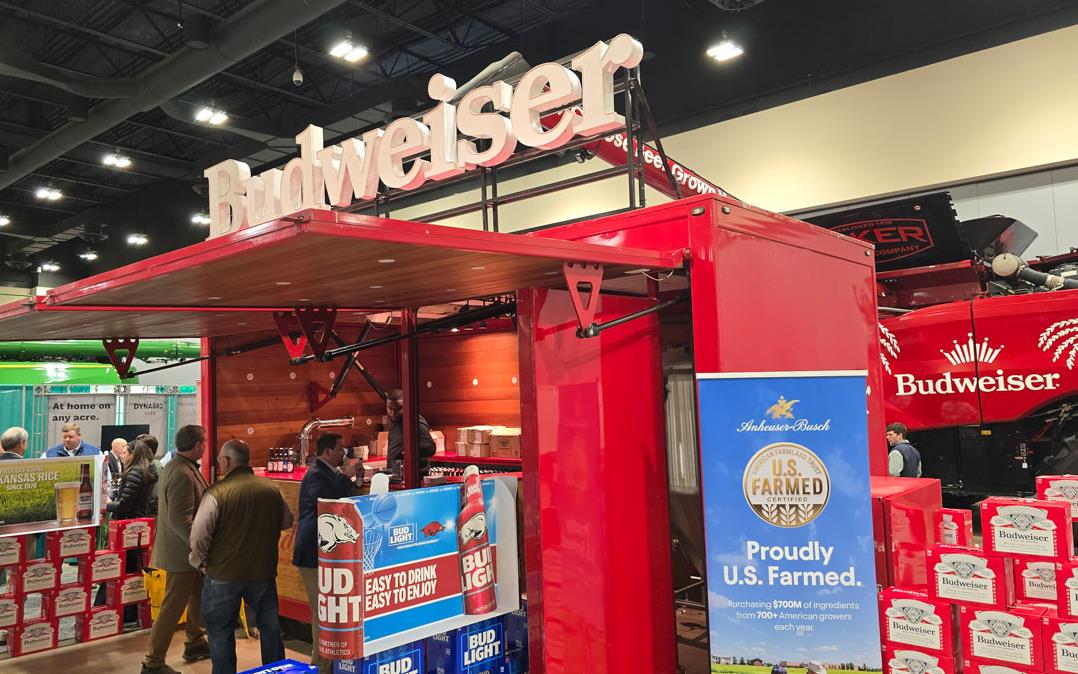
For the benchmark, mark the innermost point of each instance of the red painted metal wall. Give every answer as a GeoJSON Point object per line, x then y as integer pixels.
{"type": "Point", "coordinates": [597, 542]}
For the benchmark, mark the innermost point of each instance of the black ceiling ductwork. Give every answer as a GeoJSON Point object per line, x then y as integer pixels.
{"type": "Point", "coordinates": [252, 28]}
{"type": "Point", "coordinates": [735, 5]}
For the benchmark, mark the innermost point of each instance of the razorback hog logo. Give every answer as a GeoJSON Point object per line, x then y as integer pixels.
{"type": "Point", "coordinates": [894, 238]}
{"type": "Point", "coordinates": [334, 530]}
{"type": "Point", "coordinates": [433, 529]}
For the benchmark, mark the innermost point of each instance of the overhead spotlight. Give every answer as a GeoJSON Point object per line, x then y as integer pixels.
{"type": "Point", "coordinates": [48, 266]}
{"type": "Point", "coordinates": [356, 54]}
{"type": "Point", "coordinates": [117, 160]}
{"type": "Point", "coordinates": [137, 239]}
{"type": "Point", "coordinates": [4, 221]}
{"type": "Point", "coordinates": [348, 50]}
{"type": "Point", "coordinates": [48, 194]}
{"type": "Point", "coordinates": [211, 116]}
{"type": "Point", "coordinates": [218, 118]}
{"type": "Point", "coordinates": [89, 255]}
{"type": "Point", "coordinates": [341, 49]}
{"type": "Point", "coordinates": [203, 115]}
{"type": "Point", "coordinates": [725, 50]}
{"type": "Point", "coordinates": [200, 219]}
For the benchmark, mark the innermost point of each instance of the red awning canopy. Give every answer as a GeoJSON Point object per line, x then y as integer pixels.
{"type": "Point", "coordinates": [231, 284]}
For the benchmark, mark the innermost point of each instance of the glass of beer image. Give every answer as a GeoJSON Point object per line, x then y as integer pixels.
{"type": "Point", "coordinates": [67, 502]}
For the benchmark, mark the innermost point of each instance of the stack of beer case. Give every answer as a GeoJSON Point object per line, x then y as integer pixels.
{"type": "Point", "coordinates": [994, 608]}
{"type": "Point", "coordinates": [493, 646]}
{"type": "Point", "coordinates": [48, 602]}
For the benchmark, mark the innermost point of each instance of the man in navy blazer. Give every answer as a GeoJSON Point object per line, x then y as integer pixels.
{"type": "Point", "coordinates": [324, 479]}
{"type": "Point", "coordinates": [71, 444]}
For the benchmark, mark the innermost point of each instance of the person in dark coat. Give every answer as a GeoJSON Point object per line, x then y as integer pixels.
{"type": "Point", "coordinates": [133, 496]}
{"type": "Point", "coordinates": [324, 479]}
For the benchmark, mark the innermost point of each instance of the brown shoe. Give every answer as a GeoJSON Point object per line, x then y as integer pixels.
{"type": "Point", "coordinates": [163, 669]}
{"type": "Point", "coordinates": [195, 652]}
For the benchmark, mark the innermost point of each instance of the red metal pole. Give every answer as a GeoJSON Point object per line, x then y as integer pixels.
{"type": "Point", "coordinates": [209, 406]}
{"type": "Point", "coordinates": [409, 354]}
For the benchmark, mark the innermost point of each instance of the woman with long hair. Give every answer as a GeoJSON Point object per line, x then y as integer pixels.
{"type": "Point", "coordinates": [133, 497]}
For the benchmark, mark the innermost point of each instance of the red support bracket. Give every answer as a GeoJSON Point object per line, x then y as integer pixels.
{"type": "Point", "coordinates": [317, 326]}
{"type": "Point", "coordinates": [317, 396]}
{"type": "Point", "coordinates": [121, 363]}
{"type": "Point", "coordinates": [583, 280]}
{"type": "Point", "coordinates": [286, 324]}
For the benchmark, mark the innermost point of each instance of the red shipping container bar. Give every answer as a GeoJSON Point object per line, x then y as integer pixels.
{"type": "Point", "coordinates": [985, 667]}
{"type": "Point", "coordinates": [966, 575]}
{"type": "Point", "coordinates": [1058, 488]}
{"type": "Point", "coordinates": [103, 565]}
{"type": "Point", "coordinates": [38, 576]}
{"type": "Point", "coordinates": [953, 526]}
{"type": "Point", "coordinates": [1035, 581]}
{"type": "Point", "coordinates": [60, 545]}
{"type": "Point", "coordinates": [11, 550]}
{"type": "Point", "coordinates": [1020, 527]}
{"type": "Point", "coordinates": [69, 600]}
{"type": "Point", "coordinates": [1060, 645]}
{"type": "Point", "coordinates": [913, 619]}
{"type": "Point", "coordinates": [1012, 636]}
{"type": "Point", "coordinates": [902, 528]}
{"type": "Point", "coordinates": [128, 534]}
{"type": "Point", "coordinates": [33, 638]}
{"type": "Point", "coordinates": [902, 660]}
{"type": "Point", "coordinates": [99, 623]}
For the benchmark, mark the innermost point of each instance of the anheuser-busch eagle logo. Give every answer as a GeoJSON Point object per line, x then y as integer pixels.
{"type": "Point", "coordinates": [1060, 338]}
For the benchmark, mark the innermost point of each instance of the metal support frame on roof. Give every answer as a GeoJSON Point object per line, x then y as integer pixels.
{"type": "Point", "coordinates": [122, 363]}
{"type": "Point", "coordinates": [286, 324]}
{"type": "Point", "coordinates": [583, 280]}
{"type": "Point", "coordinates": [315, 324]}
{"type": "Point", "coordinates": [594, 329]}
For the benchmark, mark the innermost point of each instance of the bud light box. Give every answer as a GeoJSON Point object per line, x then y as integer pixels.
{"type": "Point", "coordinates": [1035, 581]}
{"type": "Point", "coordinates": [1059, 488]}
{"type": "Point", "coordinates": [1012, 637]}
{"type": "Point", "coordinates": [953, 526]}
{"type": "Point", "coordinates": [910, 618]}
{"type": "Point", "coordinates": [407, 659]}
{"type": "Point", "coordinates": [283, 667]}
{"type": "Point", "coordinates": [965, 575]}
{"type": "Point", "coordinates": [1027, 528]}
{"type": "Point", "coordinates": [984, 667]}
{"type": "Point", "coordinates": [901, 660]}
{"type": "Point", "coordinates": [476, 649]}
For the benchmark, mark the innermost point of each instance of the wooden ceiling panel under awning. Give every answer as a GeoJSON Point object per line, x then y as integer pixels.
{"type": "Point", "coordinates": [228, 284]}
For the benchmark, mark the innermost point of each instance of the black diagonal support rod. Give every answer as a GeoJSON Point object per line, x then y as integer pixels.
{"type": "Point", "coordinates": [449, 322]}
{"type": "Point", "coordinates": [594, 329]}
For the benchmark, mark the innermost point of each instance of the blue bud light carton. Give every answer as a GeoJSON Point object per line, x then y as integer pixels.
{"type": "Point", "coordinates": [516, 640]}
{"type": "Point", "coordinates": [407, 659]}
{"type": "Point", "coordinates": [478, 648]}
{"type": "Point", "coordinates": [283, 667]}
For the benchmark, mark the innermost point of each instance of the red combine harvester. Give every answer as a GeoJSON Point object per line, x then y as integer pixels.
{"type": "Point", "coordinates": [979, 349]}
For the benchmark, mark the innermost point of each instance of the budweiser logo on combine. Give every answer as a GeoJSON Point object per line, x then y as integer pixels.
{"type": "Point", "coordinates": [972, 352]}
{"type": "Point", "coordinates": [894, 238]}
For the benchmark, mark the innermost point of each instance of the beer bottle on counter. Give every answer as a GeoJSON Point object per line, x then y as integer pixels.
{"type": "Point", "coordinates": [86, 494]}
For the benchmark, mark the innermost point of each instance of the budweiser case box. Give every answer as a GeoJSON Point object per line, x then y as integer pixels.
{"type": "Point", "coordinates": [99, 623]}
{"type": "Point", "coordinates": [129, 590]}
{"type": "Point", "coordinates": [127, 534]}
{"type": "Point", "coordinates": [103, 565]}
{"type": "Point", "coordinates": [1027, 528]}
{"type": "Point", "coordinates": [61, 545]}
{"type": "Point", "coordinates": [11, 550]}
{"type": "Point", "coordinates": [953, 526]}
{"type": "Point", "coordinates": [1059, 488]}
{"type": "Point", "coordinates": [902, 660]}
{"type": "Point", "coordinates": [1067, 589]}
{"type": "Point", "coordinates": [34, 637]}
{"type": "Point", "coordinates": [985, 667]}
{"type": "Point", "coordinates": [910, 618]}
{"type": "Point", "coordinates": [505, 442]}
{"type": "Point", "coordinates": [9, 612]}
{"type": "Point", "coordinates": [1011, 636]}
{"type": "Point", "coordinates": [1035, 581]}
{"type": "Point", "coordinates": [70, 600]}
{"type": "Point", "coordinates": [38, 575]}
{"type": "Point", "coordinates": [965, 575]}
{"type": "Point", "coordinates": [1061, 645]}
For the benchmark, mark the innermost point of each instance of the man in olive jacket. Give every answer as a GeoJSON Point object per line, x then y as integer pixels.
{"type": "Point", "coordinates": [179, 493]}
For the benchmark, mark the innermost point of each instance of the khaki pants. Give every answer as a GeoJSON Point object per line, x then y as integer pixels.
{"type": "Point", "coordinates": [183, 590]}
{"type": "Point", "coordinates": [310, 582]}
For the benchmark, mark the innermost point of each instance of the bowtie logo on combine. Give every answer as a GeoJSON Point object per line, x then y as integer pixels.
{"type": "Point", "coordinates": [971, 352]}
{"type": "Point", "coordinates": [782, 409]}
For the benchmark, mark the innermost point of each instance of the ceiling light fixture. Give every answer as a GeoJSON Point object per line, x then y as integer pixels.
{"type": "Point", "coordinates": [725, 50]}
{"type": "Point", "coordinates": [49, 266]}
{"type": "Point", "coordinates": [117, 160]}
{"type": "Point", "coordinates": [211, 116]}
{"type": "Point", "coordinates": [48, 193]}
{"type": "Point", "coordinates": [89, 255]}
{"type": "Point", "coordinates": [4, 221]}
{"type": "Point", "coordinates": [200, 219]}
{"type": "Point", "coordinates": [137, 239]}
{"type": "Point", "coordinates": [347, 50]}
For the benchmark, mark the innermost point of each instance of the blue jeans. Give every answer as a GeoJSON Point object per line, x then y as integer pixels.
{"type": "Point", "coordinates": [220, 614]}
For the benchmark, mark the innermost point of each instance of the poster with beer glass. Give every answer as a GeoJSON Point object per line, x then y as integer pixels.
{"type": "Point", "coordinates": [398, 567]}
{"type": "Point", "coordinates": [49, 494]}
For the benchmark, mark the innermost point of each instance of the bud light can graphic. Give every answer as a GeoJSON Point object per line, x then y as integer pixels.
{"type": "Point", "coordinates": [340, 580]}
{"type": "Point", "coordinates": [473, 543]}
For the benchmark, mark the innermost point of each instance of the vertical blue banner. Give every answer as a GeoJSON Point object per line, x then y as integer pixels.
{"type": "Point", "coordinates": [788, 522]}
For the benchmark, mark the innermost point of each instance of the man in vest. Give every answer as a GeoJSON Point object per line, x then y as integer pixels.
{"type": "Point", "coordinates": [902, 459]}
{"type": "Point", "coordinates": [234, 542]}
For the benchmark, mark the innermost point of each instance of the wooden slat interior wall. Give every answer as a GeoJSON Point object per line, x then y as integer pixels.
{"type": "Point", "coordinates": [465, 379]}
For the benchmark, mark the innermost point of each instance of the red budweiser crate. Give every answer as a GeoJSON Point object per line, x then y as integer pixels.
{"type": "Point", "coordinates": [99, 623]}
{"type": "Point", "coordinates": [102, 566]}
{"type": "Point", "coordinates": [902, 528]}
{"type": "Point", "coordinates": [1011, 636]}
{"type": "Point", "coordinates": [902, 660]}
{"type": "Point", "coordinates": [1028, 528]}
{"type": "Point", "coordinates": [965, 575]}
{"type": "Point", "coordinates": [69, 600]}
{"type": "Point", "coordinates": [145, 617]}
{"type": "Point", "coordinates": [38, 576]}
{"type": "Point", "coordinates": [127, 534]}
{"type": "Point", "coordinates": [11, 550]}
{"type": "Point", "coordinates": [33, 637]}
{"type": "Point", "coordinates": [1058, 488]}
{"type": "Point", "coordinates": [1067, 589]}
{"type": "Point", "coordinates": [1035, 582]}
{"type": "Point", "coordinates": [1060, 645]}
{"type": "Point", "coordinates": [9, 612]}
{"type": "Point", "coordinates": [985, 667]}
{"type": "Point", "coordinates": [61, 545]}
{"type": "Point", "coordinates": [953, 526]}
{"type": "Point", "coordinates": [910, 618]}
{"type": "Point", "coordinates": [129, 590]}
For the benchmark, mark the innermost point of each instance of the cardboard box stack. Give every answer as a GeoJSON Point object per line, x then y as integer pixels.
{"type": "Point", "coordinates": [488, 441]}
{"type": "Point", "coordinates": [1002, 608]}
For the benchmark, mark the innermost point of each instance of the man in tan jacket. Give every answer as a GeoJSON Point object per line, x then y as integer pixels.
{"type": "Point", "coordinates": [180, 491]}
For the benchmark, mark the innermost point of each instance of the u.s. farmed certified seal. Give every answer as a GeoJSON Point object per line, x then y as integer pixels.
{"type": "Point", "coordinates": [786, 484]}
